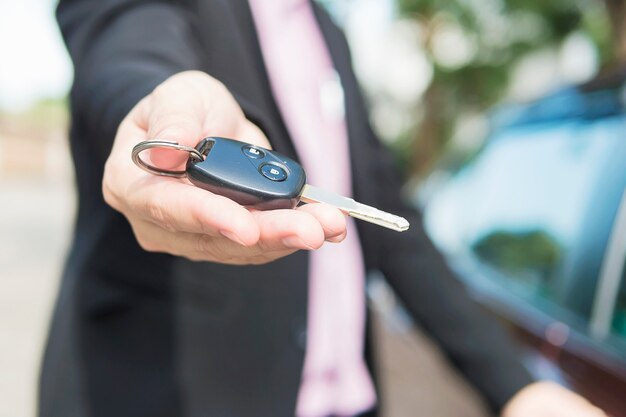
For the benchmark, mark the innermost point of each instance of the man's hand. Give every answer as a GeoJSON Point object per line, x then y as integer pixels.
{"type": "Point", "coordinates": [171, 215]}
{"type": "Point", "coordinates": [547, 399]}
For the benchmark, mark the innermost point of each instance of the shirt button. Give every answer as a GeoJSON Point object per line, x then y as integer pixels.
{"type": "Point", "coordinates": [299, 333]}
{"type": "Point", "coordinates": [301, 336]}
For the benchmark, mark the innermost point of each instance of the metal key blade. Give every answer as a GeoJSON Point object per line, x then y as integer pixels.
{"type": "Point", "coordinates": [312, 194]}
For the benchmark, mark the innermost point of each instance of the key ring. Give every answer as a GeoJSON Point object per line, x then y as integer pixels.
{"type": "Point", "coordinates": [156, 143]}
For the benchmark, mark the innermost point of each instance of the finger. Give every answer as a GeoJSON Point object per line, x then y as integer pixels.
{"type": "Point", "coordinates": [249, 132]}
{"type": "Point", "coordinates": [199, 247]}
{"type": "Point", "coordinates": [185, 109]}
{"type": "Point", "coordinates": [176, 206]}
{"type": "Point", "coordinates": [285, 229]}
{"type": "Point", "coordinates": [578, 410]}
{"type": "Point", "coordinates": [191, 106]}
{"type": "Point", "coordinates": [219, 249]}
{"type": "Point", "coordinates": [266, 257]}
{"type": "Point", "coordinates": [333, 221]}
{"type": "Point", "coordinates": [129, 133]}
{"type": "Point", "coordinates": [173, 120]}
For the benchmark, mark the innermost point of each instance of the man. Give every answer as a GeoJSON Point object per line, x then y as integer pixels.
{"type": "Point", "coordinates": [182, 303]}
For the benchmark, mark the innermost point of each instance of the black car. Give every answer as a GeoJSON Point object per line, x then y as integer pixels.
{"type": "Point", "coordinates": [535, 225]}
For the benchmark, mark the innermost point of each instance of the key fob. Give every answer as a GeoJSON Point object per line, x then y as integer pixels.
{"type": "Point", "coordinates": [250, 175]}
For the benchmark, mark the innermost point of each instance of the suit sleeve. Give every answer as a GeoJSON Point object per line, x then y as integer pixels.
{"type": "Point", "coordinates": [474, 342]}
{"type": "Point", "coordinates": [121, 50]}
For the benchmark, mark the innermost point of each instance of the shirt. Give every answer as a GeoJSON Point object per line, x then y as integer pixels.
{"type": "Point", "coordinates": [309, 96]}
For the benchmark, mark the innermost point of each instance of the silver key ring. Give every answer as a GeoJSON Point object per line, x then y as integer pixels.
{"type": "Point", "coordinates": [156, 143]}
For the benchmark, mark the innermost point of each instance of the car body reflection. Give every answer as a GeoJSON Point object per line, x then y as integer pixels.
{"type": "Point", "coordinates": [535, 225]}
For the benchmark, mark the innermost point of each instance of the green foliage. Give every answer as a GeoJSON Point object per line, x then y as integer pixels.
{"type": "Point", "coordinates": [596, 24]}
{"type": "Point", "coordinates": [500, 33]}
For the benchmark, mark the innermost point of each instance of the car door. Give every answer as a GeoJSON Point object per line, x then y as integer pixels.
{"type": "Point", "coordinates": [527, 225]}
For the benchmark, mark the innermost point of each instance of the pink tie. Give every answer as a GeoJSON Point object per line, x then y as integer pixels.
{"type": "Point", "coordinates": [309, 96]}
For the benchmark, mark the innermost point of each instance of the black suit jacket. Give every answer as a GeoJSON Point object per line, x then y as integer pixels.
{"type": "Point", "coordinates": [144, 334]}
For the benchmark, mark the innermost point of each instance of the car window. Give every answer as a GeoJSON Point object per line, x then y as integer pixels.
{"type": "Point", "coordinates": [528, 258]}
{"type": "Point", "coordinates": [535, 209]}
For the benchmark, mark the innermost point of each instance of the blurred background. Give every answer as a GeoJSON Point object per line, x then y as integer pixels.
{"type": "Point", "coordinates": [507, 119]}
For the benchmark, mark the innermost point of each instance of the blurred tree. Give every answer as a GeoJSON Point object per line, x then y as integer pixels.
{"type": "Point", "coordinates": [617, 12]}
{"type": "Point", "coordinates": [474, 46]}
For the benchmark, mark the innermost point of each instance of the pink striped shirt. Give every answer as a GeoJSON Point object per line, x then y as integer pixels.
{"type": "Point", "coordinates": [308, 93]}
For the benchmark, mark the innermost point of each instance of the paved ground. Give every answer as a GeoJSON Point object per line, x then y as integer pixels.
{"type": "Point", "coordinates": [34, 223]}
{"type": "Point", "coordinates": [416, 379]}
{"type": "Point", "coordinates": [35, 220]}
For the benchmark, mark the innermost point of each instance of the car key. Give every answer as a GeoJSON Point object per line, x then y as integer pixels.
{"type": "Point", "coordinates": [258, 178]}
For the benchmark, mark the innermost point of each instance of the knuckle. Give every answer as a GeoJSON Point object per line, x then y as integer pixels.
{"type": "Point", "coordinates": [199, 217]}
{"type": "Point", "coordinates": [317, 244]}
{"type": "Point", "coordinates": [262, 246]}
{"type": "Point", "coordinates": [204, 244]}
{"type": "Point", "coordinates": [189, 81]}
{"type": "Point", "coordinates": [194, 253]}
{"type": "Point", "coordinates": [199, 79]}
{"type": "Point", "coordinates": [190, 75]}
{"type": "Point", "coordinates": [172, 125]}
{"type": "Point", "coordinates": [159, 215]}
{"type": "Point", "coordinates": [266, 257]}
{"type": "Point", "coordinates": [161, 90]}
{"type": "Point", "coordinates": [210, 249]}
{"type": "Point", "coordinates": [108, 193]}
{"type": "Point", "coordinates": [219, 87]}
{"type": "Point", "coordinates": [311, 232]}
{"type": "Point", "coordinates": [147, 245]}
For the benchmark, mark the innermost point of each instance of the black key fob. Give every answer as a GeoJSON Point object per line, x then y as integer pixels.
{"type": "Point", "coordinates": [250, 175]}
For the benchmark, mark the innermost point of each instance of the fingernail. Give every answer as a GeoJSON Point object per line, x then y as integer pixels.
{"type": "Point", "coordinates": [295, 242]}
{"type": "Point", "coordinates": [232, 236]}
{"type": "Point", "coordinates": [336, 239]}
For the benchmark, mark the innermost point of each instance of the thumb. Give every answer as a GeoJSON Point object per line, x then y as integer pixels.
{"type": "Point", "coordinates": [170, 117]}
{"type": "Point", "coordinates": [249, 132]}
{"type": "Point", "coordinates": [178, 128]}
{"type": "Point", "coordinates": [188, 107]}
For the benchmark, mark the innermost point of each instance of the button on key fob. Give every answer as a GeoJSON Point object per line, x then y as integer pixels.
{"type": "Point", "coordinates": [259, 178]}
